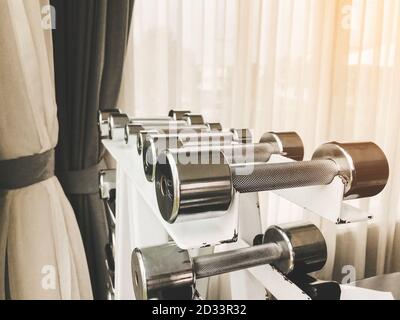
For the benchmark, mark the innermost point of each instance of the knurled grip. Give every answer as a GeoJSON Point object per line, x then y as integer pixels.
{"type": "Point", "coordinates": [225, 262]}
{"type": "Point", "coordinates": [266, 177]}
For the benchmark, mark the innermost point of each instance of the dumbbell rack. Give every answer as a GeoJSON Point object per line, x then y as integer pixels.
{"type": "Point", "coordinates": [139, 224]}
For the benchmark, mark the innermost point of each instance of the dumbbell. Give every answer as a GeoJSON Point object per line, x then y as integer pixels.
{"type": "Point", "coordinates": [118, 122]}
{"type": "Point", "coordinates": [155, 143]}
{"type": "Point", "coordinates": [122, 128]}
{"type": "Point", "coordinates": [291, 249]}
{"type": "Point", "coordinates": [171, 128]}
{"type": "Point", "coordinates": [118, 119]}
{"type": "Point", "coordinates": [236, 145]}
{"type": "Point", "coordinates": [184, 190]}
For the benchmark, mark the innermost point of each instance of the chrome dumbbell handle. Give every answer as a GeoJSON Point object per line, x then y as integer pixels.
{"type": "Point", "coordinates": [172, 129]}
{"type": "Point", "coordinates": [104, 116]}
{"type": "Point", "coordinates": [236, 146]}
{"type": "Point", "coordinates": [238, 153]}
{"type": "Point", "coordinates": [166, 127]}
{"type": "Point", "coordinates": [152, 122]}
{"type": "Point", "coordinates": [266, 177]}
{"type": "Point", "coordinates": [288, 144]}
{"type": "Point", "coordinates": [193, 135]}
{"type": "Point", "coordinates": [118, 122]}
{"type": "Point", "coordinates": [120, 126]}
{"type": "Point", "coordinates": [187, 143]}
{"type": "Point", "coordinates": [119, 118]}
{"type": "Point", "coordinates": [230, 261]}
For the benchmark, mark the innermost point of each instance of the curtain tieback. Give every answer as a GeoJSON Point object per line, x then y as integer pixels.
{"type": "Point", "coordinates": [26, 171]}
{"type": "Point", "coordinates": [85, 181]}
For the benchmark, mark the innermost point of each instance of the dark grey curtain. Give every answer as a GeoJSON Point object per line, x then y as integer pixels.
{"type": "Point", "coordinates": [90, 42]}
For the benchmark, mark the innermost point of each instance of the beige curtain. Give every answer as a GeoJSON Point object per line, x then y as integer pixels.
{"type": "Point", "coordinates": [38, 230]}
{"type": "Point", "coordinates": [328, 69]}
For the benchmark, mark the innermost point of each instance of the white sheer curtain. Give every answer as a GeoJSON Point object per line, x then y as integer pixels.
{"type": "Point", "coordinates": [40, 242]}
{"type": "Point", "coordinates": [328, 69]}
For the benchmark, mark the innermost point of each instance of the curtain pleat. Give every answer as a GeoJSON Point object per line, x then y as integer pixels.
{"type": "Point", "coordinates": [40, 243]}
{"type": "Point", "coordinates": [89, 49]}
